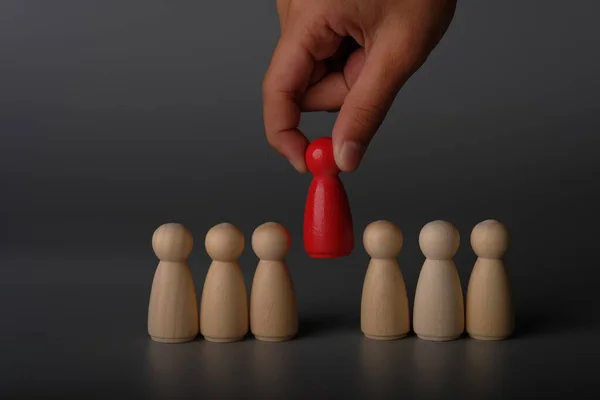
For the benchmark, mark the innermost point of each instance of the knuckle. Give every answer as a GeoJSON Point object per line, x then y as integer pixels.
{"type": "Point", "coordinates": [273, 133]}
{"type": "Point", "coordinates": [271, 136]}
{"type": "Point", "coordinates": [367, 115]}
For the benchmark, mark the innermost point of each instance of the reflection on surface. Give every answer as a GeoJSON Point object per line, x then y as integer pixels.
{"type": "Point", "coordinates": [196, 367]}
{"type": "Point", "coordinates": [219, 363]}
{"type": "Point", "coordinates": [169, 367]}
{"type": "Point", "coordinates": [486, 365]}
{"type": "Point", "coordinates": [272, 366]}
{"type": "Point", "coordinates": [385, 365]}
{"type": "Point", "coordinates": [438, 367]}
{"type": "Point", "coordinates": [221, 370]}
{"type": "Point", "coordinates": [361, 367]}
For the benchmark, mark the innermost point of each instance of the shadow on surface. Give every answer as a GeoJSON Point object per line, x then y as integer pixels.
{"type": "Point", "coordinates": [321, 325]}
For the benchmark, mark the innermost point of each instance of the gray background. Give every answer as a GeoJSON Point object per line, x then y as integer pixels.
{"type": "Point", "coordinates": [117, 117]}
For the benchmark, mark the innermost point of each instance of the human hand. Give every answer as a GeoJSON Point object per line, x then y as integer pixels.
{"type": "Point", "coordinates": [351, 56]}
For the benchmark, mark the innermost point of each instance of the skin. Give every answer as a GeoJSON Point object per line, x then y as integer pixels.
{"type": "Point", "coordinates": [346, 56]}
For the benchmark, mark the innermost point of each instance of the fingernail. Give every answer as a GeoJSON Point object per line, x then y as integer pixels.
{"type": "Point", "coordinates": [350, 154]}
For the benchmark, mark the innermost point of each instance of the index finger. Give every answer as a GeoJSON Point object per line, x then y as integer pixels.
{"type": "Point", "coordinates": [284, 85]}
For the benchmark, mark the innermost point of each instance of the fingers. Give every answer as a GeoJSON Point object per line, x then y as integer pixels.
{"type": "Point", "coordinates": [385, 70]}
{"type": "Point", "coordinates": [282, 10]}
{"type": "Point", "coordinates": [319, 71]}
{"type": "Point", "coordinates": [286, 79]}
{"type": "Point", "coordinates": [293, 67]}
{"type": "Point", "coordinates": [329, 93]}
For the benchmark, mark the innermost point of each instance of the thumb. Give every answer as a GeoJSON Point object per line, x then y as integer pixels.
{"type": "Point", "coordinates": [387, 67]}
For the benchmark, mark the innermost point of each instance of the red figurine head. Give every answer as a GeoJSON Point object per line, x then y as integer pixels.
{"type": "Point", "coordinates": [319, 158]}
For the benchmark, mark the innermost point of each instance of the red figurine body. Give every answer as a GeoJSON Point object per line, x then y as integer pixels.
{"type": "Point", "coordinates": [328, 230]}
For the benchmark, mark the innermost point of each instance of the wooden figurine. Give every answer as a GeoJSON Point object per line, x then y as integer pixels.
{"type": "Point", "coordinates": [173, 309]}
{"type": "Point", "coordinates": [273, 305]}
{"type": "Point", "coordinates": [489, 308]}
{"type": "Point", "coordinates": [224, 305]}
{"type": "Point", "coordinates": [384, 306]}
{"type": "Point", "coordinates": [439, 313]}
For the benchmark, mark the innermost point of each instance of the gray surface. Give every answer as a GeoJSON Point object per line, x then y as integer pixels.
{"type": "Point", "coordinates": [115, 119]}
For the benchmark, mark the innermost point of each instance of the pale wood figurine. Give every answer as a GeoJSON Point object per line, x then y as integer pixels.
{"type": "Point", "coordinates": [489, 308]}
{"type": "Point", "coordinates": [173, 309]}
{"type": "Point", "coordinates": [438, 313]}
{"type": "Point", "coordinates": [384, 305]}
{"type": "Point", "coordinates": [273, 304]}
{"type": "Point", "coordinates": [224, 303]}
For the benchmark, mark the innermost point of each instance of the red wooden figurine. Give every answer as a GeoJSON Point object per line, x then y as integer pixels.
{"type": "Point", "coordinates": [328, 230]}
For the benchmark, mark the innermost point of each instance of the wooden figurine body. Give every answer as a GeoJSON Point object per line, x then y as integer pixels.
{"type": "Point", "coordinates": [273, 305]}
{"type": "Point", "coordinates": [328, 230]}
{"type": "Point", "coordinates": [224, 304]}
{"type": "Point", "coordinates": [173, 309]}
{"type": "Point", "coordinates": [384, 305]}
{"type": "Point", "coordinates": [489, 308]}
{"type": "Point", "coordinates": [438, 313]}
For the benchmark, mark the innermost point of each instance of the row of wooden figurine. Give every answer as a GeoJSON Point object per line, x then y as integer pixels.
{"type": "Point", "coordinates": [439, 312]}
{"type": "Point", "coordinates": [224, 314]}
{"type": "Point", "coordinates": [439, 309]}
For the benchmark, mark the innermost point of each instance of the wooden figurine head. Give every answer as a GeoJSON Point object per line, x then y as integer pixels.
{"type": "Point", "coordinates": [172, 242]}
{"type": "Point", "coordinates": [439, 240]}
{"type": "Point", "coordinates": [271, 241]}
{"type": "Point", "coordinates": [224, 242]}
{"type": "Point", "coordinates": [382, 240]}
{"type": "Point", "coordinates": [490, 239]}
